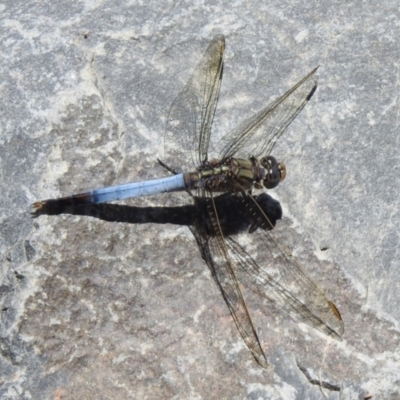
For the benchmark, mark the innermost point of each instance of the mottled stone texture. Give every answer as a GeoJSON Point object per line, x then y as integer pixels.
{"type": "Point", "coordinates": [92, 309]}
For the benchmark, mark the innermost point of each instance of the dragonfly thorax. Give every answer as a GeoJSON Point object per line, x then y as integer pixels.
{"type": "Point", "coordinates": [236, 174]}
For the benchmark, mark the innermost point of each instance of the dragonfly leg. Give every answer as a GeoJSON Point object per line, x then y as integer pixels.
{"type": "Point", "coordinates": [167, 167]}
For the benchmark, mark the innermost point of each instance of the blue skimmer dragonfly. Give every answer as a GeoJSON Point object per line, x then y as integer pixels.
{"type": "Point", "coordinates": [279, 278]}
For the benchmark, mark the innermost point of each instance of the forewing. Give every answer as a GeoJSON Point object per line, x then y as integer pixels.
{"type": "Point", "coordinates": [280, 278]}
{"type": "Point", "coordinates": [190, 118]}
{"type": "Point", "coordinates": [258, 134]}
{"type": "Point", "coordinates": [214, 252]}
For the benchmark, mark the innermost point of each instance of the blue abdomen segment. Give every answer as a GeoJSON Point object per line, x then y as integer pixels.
{"type": "Point", "coordinates": [103, 195]}
{"type": "Point", "coordinates": [138, 189]}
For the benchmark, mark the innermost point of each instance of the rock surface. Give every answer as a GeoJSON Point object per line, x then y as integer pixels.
{"type": "Point", "coordinates": [92, 309]}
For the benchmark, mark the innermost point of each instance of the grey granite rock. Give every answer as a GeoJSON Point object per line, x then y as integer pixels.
{"type": "Point", "coordinates": [99, 310]}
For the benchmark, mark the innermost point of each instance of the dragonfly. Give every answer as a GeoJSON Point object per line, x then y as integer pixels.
{"type": "Point", "coordinates": [279, 277]}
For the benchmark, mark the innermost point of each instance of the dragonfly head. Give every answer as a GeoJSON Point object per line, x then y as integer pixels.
{"type": "Point", "coordinates": [275, 172]}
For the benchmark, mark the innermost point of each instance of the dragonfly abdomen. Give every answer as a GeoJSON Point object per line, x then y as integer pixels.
{"type": "Point", "coordinates": [138, 189]}
{"type": "Point", "coordinates": [119, 192]}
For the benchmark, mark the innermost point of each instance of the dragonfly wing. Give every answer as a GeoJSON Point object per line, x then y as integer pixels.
{"type": "Point", "coordinates": [214, 252]}
{"type": "Point", "coordinates": [280, 278]}
{"type": "Point", "coordinates": [190, 118]}
{"type": "Point", "coordinates": [258, 134]}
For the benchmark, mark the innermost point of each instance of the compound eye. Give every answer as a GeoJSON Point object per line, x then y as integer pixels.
{"type": "Point", "coordinates": [274, 172]}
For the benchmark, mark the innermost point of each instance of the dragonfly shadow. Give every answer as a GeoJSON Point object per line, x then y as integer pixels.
{"type": "Point", "coordinates": [233, 215]}
{"type": "Point", "coordinates": [277, 277]}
